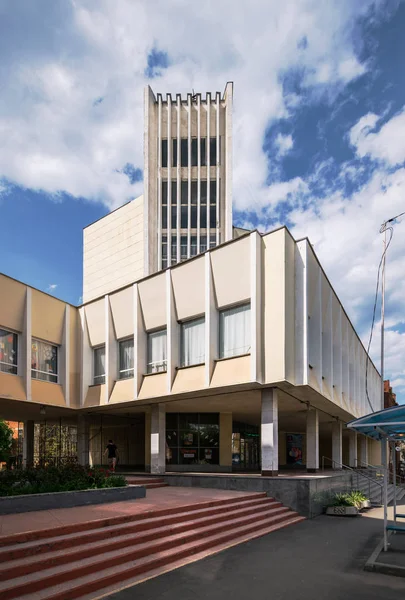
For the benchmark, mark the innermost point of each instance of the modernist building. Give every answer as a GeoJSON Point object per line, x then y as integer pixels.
{"type": "Point", "coordinates": [198, 347]}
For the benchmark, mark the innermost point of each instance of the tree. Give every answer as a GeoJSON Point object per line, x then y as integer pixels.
{"type": "Point", "coordinates": [6, 439]}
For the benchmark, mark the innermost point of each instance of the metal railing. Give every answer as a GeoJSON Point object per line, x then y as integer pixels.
{"type": "Point", "coordinates": [379, 471]}
{"type": "Point", "coordinates": [355, 474]}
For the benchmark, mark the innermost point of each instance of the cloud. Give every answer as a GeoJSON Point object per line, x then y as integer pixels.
{"type": "Point", "coordinates": [51, 287]}
{"type": "Point", "coordinates": [284, 144]}
{"type": "Point", "coordinates": [387, 144]}
{"type": "Point", "coordinates": [71, 109]}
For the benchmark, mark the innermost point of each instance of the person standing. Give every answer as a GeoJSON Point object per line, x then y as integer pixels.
{"type": "Point", "coordinates": [112, 453]}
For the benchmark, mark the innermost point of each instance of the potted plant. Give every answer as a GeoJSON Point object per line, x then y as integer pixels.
{"type": "Point", "coordinates": [358, 499]}
{"type": "Point", "coordinates": [342, 506]}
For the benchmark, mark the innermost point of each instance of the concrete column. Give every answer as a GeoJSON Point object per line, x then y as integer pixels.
{"type": "Point", "coordinates": [269, 432]}
{"type": "Point", "coordinates": [28, 444]}
{"type": "Point", "coordinates": [353, 449]}
{"type": "Point", "coordinates": [158, 439]}
{"type": "Point", "coordinates": [83, 438]}
{"type": "Point", "coordinates": [312, 440]}
{"type": "Point", "coordinates": [363, 451]}
{"type": "Point", "coordinates": [337, 457]}
{"type": "Point", "coordinates": [225, 441]}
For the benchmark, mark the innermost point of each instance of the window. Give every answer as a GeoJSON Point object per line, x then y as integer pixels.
{"type": "Point", "coordinates": [44, 361]}
{"type": "Point", "coordinates": [234, 331]}
{"type": "Point", "coordinates": [184, 152]}
{"type": "Point", "coordinates": [126, 357]}
{"type": "Point", "coordinates": [164, 153]}
{"type": "Point", "coordinates": [192, 439]}
{"type": "Point", "coordinates": [193, 342]}
{"type": "Point", "coordinates": [99, 365]}
{"type": "Point", "coordinates": [157, 351]}
{"type": "Point", "coordinates": [8, 352]}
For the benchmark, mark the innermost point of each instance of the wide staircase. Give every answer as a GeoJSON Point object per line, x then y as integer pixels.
{"type": "Point", "coordinates": [148, 482]}
{"type": "Point", "coordinates": [85, 560]}
{"type": "Point", "coordinates": [370, 482]}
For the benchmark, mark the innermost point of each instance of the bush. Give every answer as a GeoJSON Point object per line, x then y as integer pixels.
{"type": "Point", "coordinates": [57, 479]}
{"type": "Point", "coordinates": [354, 498]}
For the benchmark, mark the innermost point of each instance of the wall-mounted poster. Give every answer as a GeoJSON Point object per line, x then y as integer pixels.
{"type": "Point", "coordinates": [294, 448]}
{"type": "Point", "coordinates": [189, 453]}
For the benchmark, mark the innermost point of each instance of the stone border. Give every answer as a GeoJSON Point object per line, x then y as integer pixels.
{"type": "Point", "coordinates": [372, 565]}
{"type": "Point", "coordinates": [30, 502]}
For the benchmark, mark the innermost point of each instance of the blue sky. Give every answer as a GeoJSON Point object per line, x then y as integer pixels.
{"type": "Point", "coordinates": [319, 129]}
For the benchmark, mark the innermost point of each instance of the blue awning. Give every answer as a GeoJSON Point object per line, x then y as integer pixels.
{"type": "Point", "coordinates": [388, 423]}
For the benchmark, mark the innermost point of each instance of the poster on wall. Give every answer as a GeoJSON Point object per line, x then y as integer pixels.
{"type": "Point", "coordinates": [294, 448]}
{"type": "Point", "coordinates": [188, 453]}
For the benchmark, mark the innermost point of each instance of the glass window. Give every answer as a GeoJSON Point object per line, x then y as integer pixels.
{"type": "Point", "coordinates": [126, 358]}
{"type": "Point", "coordinates": [174, 249]}
{"type": "Point", "coordinates": [99, 365]}
{"type": "Point", "coordinates": [8, 352]}
{"type": "Point", "coordinates": [193, 342]}
{"type": "Point", "coordinates": [193, 245]}
{"type": "Point", "coordinates": [192, 438]}
{"type": "Point", "coordinates": [213, 151]}
{"type": "Point", "coordinates": [44, 361]}
{"type": "Point", "coordinates": [184, 152]}
{"type": "Point", "coordinates": [164, 153]}
{"type": "Point", "coordinates": [183, 247]}
{"type": "Point", "coordinates": [157, 351]}
{"type": "Point", "coordinates": [174, 153]}
{"type": "Point", "coordinates": [203, 151]}
{"type": "Point", "coordinates": [194, 153]}
{"type": "Point", "coordinates": [234, 331]}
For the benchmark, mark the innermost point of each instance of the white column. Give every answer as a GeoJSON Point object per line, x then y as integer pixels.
{"type": "Point", "coordinates": [86, 357]}
{"type": "Point", "coordinates": [218, 180]}
{"type": "Point", "coordinates": [158, 439]}
{"type": "Point", "coordinates": [301, 313]}
{"type": "Point", "coordinates": [337, 445]}
{"type": "Point", "coordinates": [26, 350]}
{"type": "Point", "coordinates": [28, 444]}
{"type": "Point", "coordinates": [189, 175]}
{"type": "Point", "coordinates": [269, 432]}
{"type": "Point", "coordinates": [228, 167]}
{"type": "Point", "coordinates": [112, 344]}
{"type": "Point", "coordinates": [140, 343]}
{"type": "Point", "coordinates": [65, 357]}
{"type": "Point", "coordinates": [173, 333]}
{"type": "Point", "coordinates": [83, 439]}
{"type": "Point", "coordinates": [178, 173]}
{"type": "Point", "coordinates": [363, 458]}
{"type": "Point", "coordinates": [211, 322]}
{"type": "Point", "coordinates": [255, 307]}
{"type": "Point", "coordinates": [198, 172]}
{"type": "Point", "coordinates": [159, 183]}
{"type": "Point", "coordinates": [312, 440]}
{"type": "Point", "coordinates": [353, 449]}
{"type": "Point", "coordinates": [169, 180]}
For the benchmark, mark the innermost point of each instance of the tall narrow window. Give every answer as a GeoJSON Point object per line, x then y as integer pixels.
{"type": "Point", "coordinates": [183, 247]}
{"type": "Point", "coordinates": [203, 151]}
{"type": "Point", "coordinates": [157, 351]}
{"type": "Point", "coordinates": [193, 245]}
{"type": "Point", "coordinates": [184, 152]}
{"type": "Point", "coordinates": [193, 342]}
{"type": "Point", "coordinates": [174, 249]}
{"type": "Point", "coordinates": [44, 361]}
{"type": "Point", "coordinates": [8, 352]}
{"type": "Point", "coordinates": [213, 151]}
{"type": "Point", "coordinates": [194, 152]}
{"type": "Point", "coordinates": [164, 153]}
{"type": "Point", "coordinates": [184, 205]}
{"type": "Point", "coordinates": [234, 331]}
{"type": "Point", "coordinates": [99, 365]}
{"type": "Point", "coordinates": [164, 251]}
{"type": "Point", "coordinates": [174, 153]}
{"type": "Point", "coordinates": [203, 204]}
{"type": "Point", "coordinates": [164, 204]}
{"type": "Point", "coordinates": [126, 356]}
{"type": "Point", "coordinates": [213, 204]}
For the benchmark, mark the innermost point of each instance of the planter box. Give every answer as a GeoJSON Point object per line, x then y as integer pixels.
{"type": "Point", "coordinates": [18, 504]}
{"type": "Point", "coordinates": [342, 511]}
{"type": "Point", "coordinates": [366, 504]}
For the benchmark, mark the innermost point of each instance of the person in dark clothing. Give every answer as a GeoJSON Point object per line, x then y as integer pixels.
{"type": "Point", "coordinates": [112, 454]}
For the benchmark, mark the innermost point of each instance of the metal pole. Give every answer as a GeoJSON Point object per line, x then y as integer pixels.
{"type": "Point", "coordinates": [382, 319]}
{"type": "Point", "coordinates": [384, 460]}
{"type": "Point", "coordinates": [394, 468]}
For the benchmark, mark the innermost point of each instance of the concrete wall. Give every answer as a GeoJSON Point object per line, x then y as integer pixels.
{"type": "Point", "coordinates": [113, 250]}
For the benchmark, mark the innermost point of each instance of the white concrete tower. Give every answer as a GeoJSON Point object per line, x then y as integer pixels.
{"type": "Point", "coordinates": [187, 176]}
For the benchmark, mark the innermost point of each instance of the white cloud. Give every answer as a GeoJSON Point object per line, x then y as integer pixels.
{"type": "Point", "coordinates": [51, 287]}
{"type": "Point", "coordinates": [56, 138]}
{"type": "Point", "coordinates": [284, 144]}
{"type": "Point", "coordinates": [350, 69]}
{"type": "Point", "coordinates": [387, 144]}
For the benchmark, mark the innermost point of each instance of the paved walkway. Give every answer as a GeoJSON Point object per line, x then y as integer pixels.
{"type": "Point", "coordinates": [319, 558]}
{"type": "Point", "coordinates": [155, 498]}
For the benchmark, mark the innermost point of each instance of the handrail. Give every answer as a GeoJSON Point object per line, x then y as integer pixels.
{"type": "Point", "coordinates": [334, 462]}
{"type": "Point", "coordinates": [399, 478]}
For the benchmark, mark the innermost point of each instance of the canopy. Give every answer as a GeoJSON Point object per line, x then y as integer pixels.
{"type": "Point", "coordinates": [384, 424]}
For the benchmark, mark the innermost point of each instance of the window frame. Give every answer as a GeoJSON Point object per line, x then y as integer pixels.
{"type": "Point", "coordinates": [15, 365]}
{"type": "Point", "coordinates": [182, 324]}
{"type": "Point", "coordinates": [148, 362]}
{"type": "Point", "coordinates": [95, 348]}
{"type": "Point", "coordinates": [221, 333]}
{"type": "Point", "coordinates": [47, 373]}
{"type": "Point", "coordinates": [120, 341]}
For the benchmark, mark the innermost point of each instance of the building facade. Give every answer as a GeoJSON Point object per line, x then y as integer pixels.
{"type": "Point", "coordinates": [235, 355]}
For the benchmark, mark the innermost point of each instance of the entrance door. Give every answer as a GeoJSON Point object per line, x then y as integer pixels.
{"type": "Point", "coordinates": [245, 450]}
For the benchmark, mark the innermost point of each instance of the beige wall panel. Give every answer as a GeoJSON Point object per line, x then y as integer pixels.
{"type": "Point", "coordinates": [47, 393]}
{"type": "Point", "coordinates": [225, 439]}
{"type": "Point", "coordinates": [48, 315]}
{"type": "Point", "coordinates": [325, 448]}
{"type": "Point", "coordinates": [289, 308]}
{"type": "Point", "coordinates": [95, 395]}
{"type": "Point", "coordinates": [231, 271]}
{"type": "Point", "coordinates": [374, 452]}
{"type": "Point", "coordinates": [12, 386]}
{"type": "Point", "coordinates": [189, 288]}
{"type": "Point", "coordinates": [95, 317]}
{"type": "Point", "coordinates": [122, 304]}
{"type": "Point", "coordinates": [152, 293]}
{"type": "Point", "coordinates": [153, 385]}
{"type": "Point", "coordinates": [12, 303]}
{"type": "Point", "coordinates": [189, 379]}
{"type": "Point", "coordinates": [274, 326]}
{"type": "Point", "coordinates": [123, 391]}
{"type": "Point", "coordinates": [231, 371]}
{"type": "Point", "coordinates": [75, 354]}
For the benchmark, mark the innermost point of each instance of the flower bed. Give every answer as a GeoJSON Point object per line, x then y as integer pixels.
{"type": "Point", "coordinates": [57, 479]}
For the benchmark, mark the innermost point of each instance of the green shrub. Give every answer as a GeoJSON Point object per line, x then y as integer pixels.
{"type": "Point", "coordinates": [57, 479]}
{"type": "Point", "coordinates": [353, 498]}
